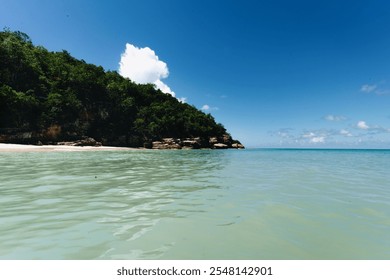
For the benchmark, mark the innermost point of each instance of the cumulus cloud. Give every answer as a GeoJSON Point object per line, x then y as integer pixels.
{"type": "Point", "coordinates": [143, 66]}
{"type": "Point", "coordinates": [334, 118]}
{"type": "Point", "coordinates": [163, 87]}
{"type": "Point", "coordinates": [362, 125]}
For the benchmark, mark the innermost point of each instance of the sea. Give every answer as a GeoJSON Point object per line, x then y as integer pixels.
{"type": "Point", "coordinates": [253, 204]}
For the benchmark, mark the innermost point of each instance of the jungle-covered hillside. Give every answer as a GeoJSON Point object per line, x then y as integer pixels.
{"type": "Point", "coordinates": [50, 96]}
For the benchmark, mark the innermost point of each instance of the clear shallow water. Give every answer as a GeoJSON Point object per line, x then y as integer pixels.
{"type": "Point", "coordinates": [250, 204]}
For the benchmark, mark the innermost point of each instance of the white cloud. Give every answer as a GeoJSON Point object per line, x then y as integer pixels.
{"type": "Point", "coordinates": [372, 129]}
{"type": "Point", "coordinates": [362, 125]}
{"type": "Point", "coordinates": [143, 66]}
{"type": "Point", "coordinates": [208, 108]}
{"type": "Point", "coordinates": [314, 137]}
{"type": "Point", "coordinates": [308, 135]}
{"type": "Point", "coordinates": [319, 139]}
{"type": "Point", "coordinates": [334, 118]}
{"type": "Point", "coordinates": [163, 87]}
{"type": "Point", "coordinates": [334, 137]}
{"type": "Point", "coordinates": [382, 92]}
{"type": "Point", "coordinates": [368, 88]}
{"type": "Point", "coordinates": [346, 133]}
{"type": "Point", "coordinates": [283, 134]}
{"type": "Point", "coordinates": [182, 99]}
{"type": "Point", "coordinates": [375, 89]}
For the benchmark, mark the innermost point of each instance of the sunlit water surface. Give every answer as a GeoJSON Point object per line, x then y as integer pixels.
{"type": "Point", "coordinates": [249, 204]}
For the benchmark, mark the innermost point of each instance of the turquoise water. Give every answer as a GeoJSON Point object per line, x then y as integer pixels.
{"type": "Point", "coordinates": [249, 204]}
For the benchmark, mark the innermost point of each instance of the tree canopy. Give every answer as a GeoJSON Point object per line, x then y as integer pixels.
{"type": "Point", "coordinates": [59, 97]}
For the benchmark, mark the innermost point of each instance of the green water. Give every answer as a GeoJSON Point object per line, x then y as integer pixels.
{"type": "Point", "coordinates": [251, 204]}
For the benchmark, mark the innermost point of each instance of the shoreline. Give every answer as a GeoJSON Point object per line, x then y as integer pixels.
{"type": "Point", "coordinates": [5, 147]}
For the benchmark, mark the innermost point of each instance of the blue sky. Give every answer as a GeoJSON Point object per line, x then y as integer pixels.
{"type": "Point", "coordinates": [275, 73]}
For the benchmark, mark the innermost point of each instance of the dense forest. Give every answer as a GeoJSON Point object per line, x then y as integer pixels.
{"type": "Point", "coordinates": [48, 97]}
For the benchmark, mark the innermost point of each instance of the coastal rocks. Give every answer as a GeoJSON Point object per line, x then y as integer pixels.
{"type": "Point", "coordinates": [238, 146]}
{"type": "Point", "coordinates": [192, 143]}
{"type": "Point", "coordinates": [224, 142]}
{"type": "Point", "coordinates": [17, 136]}
{"type": "Point", "coordinates": [167, 143]}
{"type": "Point", "coordinates": [212, 141]}
{"type": "Point", "coordinates": [220, 146]}
{"type": "Point", "coordinates": [87, 141]}
{"type": "Point", "coordinates": [55, 135]}
{"type": "Point", "coordinates": [48, 137]}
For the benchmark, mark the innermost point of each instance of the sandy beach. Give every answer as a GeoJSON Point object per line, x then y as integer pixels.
{"type": "Point", "coordinates": [56, 148]}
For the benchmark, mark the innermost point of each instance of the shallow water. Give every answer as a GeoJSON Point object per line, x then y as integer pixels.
{"type": "Point", "coordinates": [249, 204]}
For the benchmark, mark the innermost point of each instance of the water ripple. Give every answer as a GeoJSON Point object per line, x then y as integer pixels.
{"type": "Point", "coordinates": [194, 204]}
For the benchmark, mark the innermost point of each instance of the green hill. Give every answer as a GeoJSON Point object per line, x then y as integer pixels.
{"type": "Point", "coordinates": [49, 97]}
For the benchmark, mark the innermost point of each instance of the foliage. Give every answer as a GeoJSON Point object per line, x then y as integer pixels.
{"type": "Point", "coordinates": [41, 89]}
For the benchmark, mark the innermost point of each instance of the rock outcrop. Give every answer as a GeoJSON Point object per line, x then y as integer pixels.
{"type": "Point", "coordinates": [167, 143]}
{"type": "Point", "coordinates": [86, 141]}
{"type": "Point", "coordinates": [225, 142]}
{"type": "Point", "coordinates": [238, 146]}
{"type": "Point", "coordinates": [52, 137]}
{"type": "Point", "coordinates": [220, 146]}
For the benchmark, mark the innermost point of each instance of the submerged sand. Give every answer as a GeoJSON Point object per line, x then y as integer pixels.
{"type": "Point", "coordinates": [56, 148]}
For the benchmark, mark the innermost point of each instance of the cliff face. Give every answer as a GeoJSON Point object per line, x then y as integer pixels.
{"type": "Point", "coordinates": [51, 97]}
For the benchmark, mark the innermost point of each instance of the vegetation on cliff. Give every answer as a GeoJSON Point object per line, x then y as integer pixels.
{"type": "Point", "coordinates": [52, 96]}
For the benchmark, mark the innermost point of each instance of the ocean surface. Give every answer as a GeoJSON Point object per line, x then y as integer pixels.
{"type": "Point", "coordinates": [195, 204]}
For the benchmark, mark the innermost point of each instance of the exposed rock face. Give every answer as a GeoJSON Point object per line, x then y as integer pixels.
{"type": "Point", "coordinates": [238, 146]}
{"type": "Point", "coordinates": [224, 142]}
{"type": "Point", "coordinates": [220, 146]}
{"type": "Point", "coordinates": [192, 143]}
{"type": "Point", "coordinates": [52, 136]}
{"type": "Point", "coordinates": [167, 143]}
{"type": "Point", "coordinates": [87, 141]}
{"type": "Point", "coordinates": [19, 136]}
{"type": "Point", "coordinates": [213, 140]}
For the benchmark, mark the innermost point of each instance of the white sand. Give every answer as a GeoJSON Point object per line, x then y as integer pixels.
{"type": "Point", "coordinates": [55, 148]}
